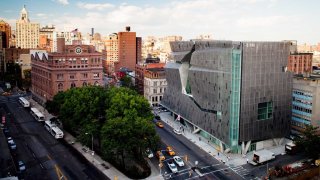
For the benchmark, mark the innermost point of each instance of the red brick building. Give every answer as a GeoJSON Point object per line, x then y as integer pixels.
{"type": "Point", "coordinates": [123, 50]}
{"type": "Point", "coordinates": [72, 66]}
{"type": "Point", "coordinates": [300, 63]}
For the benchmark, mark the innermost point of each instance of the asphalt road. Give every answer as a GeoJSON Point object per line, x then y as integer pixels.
{"type": "Point", "coordinates": [207, 167]}
{"type": "Point", "coordinates": [44, 156]}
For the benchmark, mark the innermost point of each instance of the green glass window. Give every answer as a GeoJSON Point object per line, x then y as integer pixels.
{"type": "Point", "coordinates": [265, 110]}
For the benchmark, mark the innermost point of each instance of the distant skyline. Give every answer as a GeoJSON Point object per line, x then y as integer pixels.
{"type": "Point", "coordinates": [252, 20]}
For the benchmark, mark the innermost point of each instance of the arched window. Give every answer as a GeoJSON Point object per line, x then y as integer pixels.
{"type": "Point", "coordinates": [84, 84]}
{"type": "Point", "coordinates": [60, 87]}
{"type": "Point", "coordinates": [73, 85]}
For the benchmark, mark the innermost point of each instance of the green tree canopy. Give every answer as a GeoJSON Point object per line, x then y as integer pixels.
{"type": "Point", "coordinates": [310, 141]}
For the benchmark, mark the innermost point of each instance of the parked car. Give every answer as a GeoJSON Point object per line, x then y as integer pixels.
{"type": "Point", "coordinates": [178, 160]}
{"type": "Point", "coordinates": [177, 131]}
{"type": "Point", "coordinates": [157, 117]}
{"type": "Point", "coordinates": [149, 153]}
{"type": "Point", "coordinates": [172, 167]}
{"type": "Point", "coordinates": [160, 156]}
{"type": "Point", "coordinates": [170, 151]}
{"type": "Point", "coordinates": [21, 166]}
{"type": "Point", "coordinates": [6, 131]}
{"type": "Point", "coordinates": [12, 144]}
{"type": "Point", "coordinates": [159, 124]}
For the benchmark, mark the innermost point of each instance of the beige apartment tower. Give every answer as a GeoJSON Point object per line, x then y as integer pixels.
{"type": "Point", "coordinates": [27, 33]}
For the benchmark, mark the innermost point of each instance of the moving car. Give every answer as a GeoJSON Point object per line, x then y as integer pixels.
{"type": "Point", "coordinates": [178, 160]}
{"type": "Point", "coordinates": [170, 151]}
{"type": "Point", "coordinates": [172, 167]}
{"type": "Point", "coordinates": [159, 124]}
{"type": "Point", "coordinates": [160, 156]}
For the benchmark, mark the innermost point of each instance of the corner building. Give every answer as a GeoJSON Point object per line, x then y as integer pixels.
{"type": "Point", "coordinates": [235, 94]}
{"type": "Point", "coordinates": [72, 66]}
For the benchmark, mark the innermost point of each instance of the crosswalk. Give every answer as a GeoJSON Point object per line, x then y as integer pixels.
{"type": "Point", "coordinates": [244, 173]}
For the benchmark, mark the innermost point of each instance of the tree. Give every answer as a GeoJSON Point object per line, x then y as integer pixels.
{"type": "Point", "coordinates": [127, 82]}
{"type": "Point", "coordinates": [128, 131]}
{"type": "Point", "coordinates": [26, 82]}
{"type": "Point", "coordinates": [310, 141]}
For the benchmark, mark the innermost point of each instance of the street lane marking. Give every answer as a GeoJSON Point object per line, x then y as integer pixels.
{"type": "Point", "coordinates": [49, 157]}
{"type": "Point", "coordinates": [59, 173]}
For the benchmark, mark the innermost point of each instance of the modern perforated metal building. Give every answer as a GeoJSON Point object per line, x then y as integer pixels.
{"type": "Point", "coordinates": [235, 94]}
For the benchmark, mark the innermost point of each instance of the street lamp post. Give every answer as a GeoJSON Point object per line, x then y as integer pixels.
{"type": "Point", "coordinates": [92, 152]}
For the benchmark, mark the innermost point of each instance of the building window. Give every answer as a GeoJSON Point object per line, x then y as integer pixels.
{"type": "Point", "coordinates": [155, 90]}
{"type": "Point", "coordinates": [73, 85]}
{"type": "Point", "coordinates": [71, 76]}
{"type": "Point", "coordinates": [84, 84]}
{"type": "Point", "coordinates": [85, 75]}
{"type": "Point", "coordinates": [60, 87]}
{"type": "Point", "coordinates": [59, 76]}
{"type": "Point", "coordinates": [265, 110]}
{"type": "Point", "coordinates": [154, 83]}
{"type": "Point", "coordinates": [95, 75]}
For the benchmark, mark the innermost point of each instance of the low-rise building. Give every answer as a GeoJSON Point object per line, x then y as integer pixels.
{"type": "Point", "coordinates": [305, 103]}
{"type": "Point", "coordinates": [300, 63]}
{"type": "Point", "coordinates": [155, 85]}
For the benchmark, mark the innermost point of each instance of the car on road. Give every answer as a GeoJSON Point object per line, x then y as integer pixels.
{"type": "Point", "coordinates": [22, 166]}
{"type": "Point", "coordinates": [160, 156]}
{"type": "Point", "coordinates": [170, 151]}
{"type": "Point", "coordinates": [178, 160]}
{"type": "Point", "coordinates": [149, 153]}
{"type": "Point", "coordinates": [176, 131]}
{"type": "Point", "coordinates": [157, 117]}
{"type": "Point", "coordinates": [159, 124]}
{"type": "Point", "coordinates": [6, 131]}
{"type": "Point", "coordinates": [12, 144]}
{"type": "Point", "coordinates": [172, 166]}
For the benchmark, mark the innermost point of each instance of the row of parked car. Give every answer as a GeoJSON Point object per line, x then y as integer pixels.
{"type": "Point", "coordinates": [20, 166]}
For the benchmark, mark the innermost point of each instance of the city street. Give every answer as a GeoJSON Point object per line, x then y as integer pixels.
{"type": "Point", "coordinates": [44, 156]}
{"type": "Point", "coordinates": [208, 167]}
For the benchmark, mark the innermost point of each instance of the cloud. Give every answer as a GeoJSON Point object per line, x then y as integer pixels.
{"type": "Point", "coordinates": [224, 19]}
{"type": "Point", "coordinates": [63, 2]}
{"type": "Point", "coordinates": [94, 6]}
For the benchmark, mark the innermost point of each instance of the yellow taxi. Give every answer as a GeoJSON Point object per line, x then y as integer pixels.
{"type": "Point", "coordinates": [170, 151]}
{"type": "Point", "coordinates": [159, 124]}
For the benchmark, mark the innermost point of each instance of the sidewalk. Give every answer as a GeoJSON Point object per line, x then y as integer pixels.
{"type": "Point", "coordinates": [105, 167]}
{"type": "Point", "coordinates": [229, 159]}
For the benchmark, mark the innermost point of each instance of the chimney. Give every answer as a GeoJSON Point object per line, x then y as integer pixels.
{"type": "Point", "coordinates": [92, 32]}
{"type": "Point", "coordinates": [60, 45]}
{"type": "Point", "coordinates": [128, 28]}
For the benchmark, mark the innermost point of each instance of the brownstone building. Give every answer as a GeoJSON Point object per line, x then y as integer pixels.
{"type": "Point", "coordinates": [6, 35]}
{"type": "Point", "coordinates": [71, 66]}
{"type": "Point", "coordinates": [300, 63]}
{"type": "Point", "coordinates": [140, 71]}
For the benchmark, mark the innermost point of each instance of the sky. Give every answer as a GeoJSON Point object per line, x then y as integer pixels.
{"type": "Point", "coordinates": [252, 20]}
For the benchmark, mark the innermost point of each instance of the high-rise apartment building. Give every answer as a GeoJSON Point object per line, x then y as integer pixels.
{"type": "Point", "coordinates": [305, 103]}
{"type": "Point", "coordinates": [5, 30]}
{"type": "Point", "coordinates": [111, 43]}
{"type": "Point", "coordinates": [71, 66]}
{"type": "Point", "coordinates": [27, 33]}
{"type": "Point", "coordinates": [127, 49]}
{"type": "Point", "coordinates": [236, 95]}
{"type": "Point", "coordinates": [300, 63]}
{"type": "Point", "coordinates": [123, 51]}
